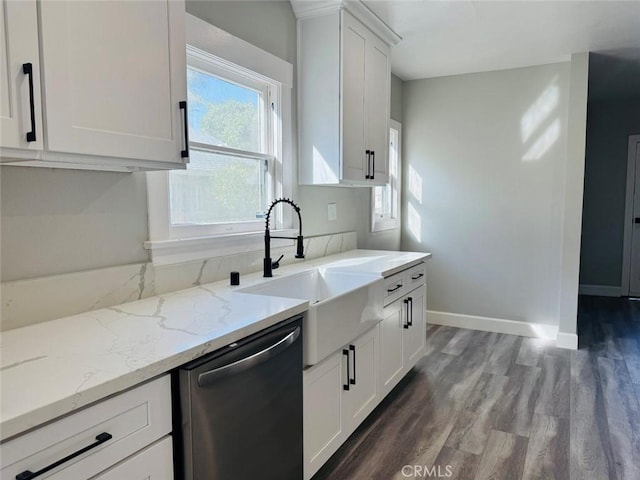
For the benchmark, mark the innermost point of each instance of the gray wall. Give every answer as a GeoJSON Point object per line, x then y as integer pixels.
{"type": "Point", "coordinates": [483, 196]}
{"type": "Point", "coordinates": [60, 221]}
{"type": "Point", "coordinates": [609, 123]}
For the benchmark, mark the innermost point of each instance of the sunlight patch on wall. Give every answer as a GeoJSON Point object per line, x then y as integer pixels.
{"type": "Point", "coordinates": [322, 171]}
{"type": "Point", "coordinates": [541, 109]}
{"type": "Point", "coordinates": [544, 142]}
{"type": "Point", "coordinates": [415, 184]}
{"type": "Point", "coordinates": [414, 222]}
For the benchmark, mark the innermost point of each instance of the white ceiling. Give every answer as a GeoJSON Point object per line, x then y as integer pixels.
{"type": "Point", "coordinates": [454, 37]}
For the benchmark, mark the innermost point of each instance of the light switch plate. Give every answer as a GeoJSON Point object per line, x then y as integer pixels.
{"type": "Point", "coordinates": [332, 211]}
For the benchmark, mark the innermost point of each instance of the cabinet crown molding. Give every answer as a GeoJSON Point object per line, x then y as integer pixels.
{"type": "Point", "coordinates": [357, 8]}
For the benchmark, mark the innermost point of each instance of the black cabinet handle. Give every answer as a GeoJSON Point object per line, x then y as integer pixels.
{"type": "Point", "coordinates": [637, 220]}
{"type": "Point", "coordinates": [410, 311]}
{"type": "Point", "coordinates": [346, 385]}
{"type": "Point", "coordinates": [352, 381]}
{"type": "Point", "coordinates": [406, 324]}
{"type": "Point", "coordinates": [373, 166]}
{"type": "Point", "coordinates": [27, 69]}
{"type": "Point", "coordinates": [100, 439]}
{"type": "Point", "coordinates": [390, 290]}
{"type": "Point", "coordinates": [420, 275]}
{"type": "Point", "coordinates": [368, 153]}
{"type": "Point", "coordinates": [185, 153]}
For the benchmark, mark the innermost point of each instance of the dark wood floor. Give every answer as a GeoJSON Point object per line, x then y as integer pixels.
{"type": "Point", "coordinates": [496, 406]}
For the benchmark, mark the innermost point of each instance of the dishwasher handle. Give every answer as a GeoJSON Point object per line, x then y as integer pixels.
{"type": "Point", "coordinates": [207, 378]}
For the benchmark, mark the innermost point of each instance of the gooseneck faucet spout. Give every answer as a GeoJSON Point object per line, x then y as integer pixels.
{"type": "Point", "coordinates": [268, 264]}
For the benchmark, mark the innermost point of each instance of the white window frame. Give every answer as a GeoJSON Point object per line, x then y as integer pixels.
{"type": "Point", "coordinates": [179, 243]}
{"type": "Point", "coordinates": [393, 222]}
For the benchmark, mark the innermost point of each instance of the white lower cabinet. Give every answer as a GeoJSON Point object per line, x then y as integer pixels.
{"type": "Point", "coordinates": [92, 440]}
{"type": "Point", "coordinates": [344, 388]}
{"type": "Point", "coordinates": [414, 338]}
{"type": "Point", "coordinates": [339, 393]}
{"type": "Point", "coordinates": [402, 337]}
{"type": "Point", "coordinates": [153, 463]}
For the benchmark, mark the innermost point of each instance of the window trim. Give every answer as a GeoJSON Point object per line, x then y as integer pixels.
{"type": "Point", "coordinates": [393, 223]}
{"type": "Point", "coordinates": [169, 247]}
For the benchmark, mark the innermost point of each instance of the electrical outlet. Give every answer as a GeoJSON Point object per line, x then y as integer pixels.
{"type": "Point", "coordinates": [332, 212]}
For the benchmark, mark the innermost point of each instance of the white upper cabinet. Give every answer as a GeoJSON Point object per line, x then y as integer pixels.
{"type": "Point", "coordinates": [20, 76]}
{"type": "Point", "coordinates": [113, 79]}
{"type": "Point", "coordinates": [344, 88]}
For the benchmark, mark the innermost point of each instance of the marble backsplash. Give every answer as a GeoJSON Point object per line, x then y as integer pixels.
{"type": "Point", "coordinates": [26, 302]}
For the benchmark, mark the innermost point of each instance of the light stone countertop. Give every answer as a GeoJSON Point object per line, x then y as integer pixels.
{"type": "Point", "coordinates": [55, 367]}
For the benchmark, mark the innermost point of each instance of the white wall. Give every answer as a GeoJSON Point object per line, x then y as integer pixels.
{"type": "Point", "coordinates": [484, 172]}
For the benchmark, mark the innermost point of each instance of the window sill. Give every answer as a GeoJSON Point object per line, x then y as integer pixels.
{"type": "Point", "coordinates": [385, 224]}
{"type": "Point", "coordinates": [181, 250]}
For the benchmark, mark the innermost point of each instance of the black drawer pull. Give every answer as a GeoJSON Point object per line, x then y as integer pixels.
{"type": "Point", "coordinates": [100, 439]}
{"type": "Point", "coordinates": [346, 385]}
{"type": "Point", "coordinates": [353, 349]}
{"type": "Point", "coordinates": [389, 290]}
{"type": "Point", "coordinates": [27, 69]}
{"type": "Point", "coordinates": [185, 153]}
{"type": "Point", "coordinates": [420, 275]}
{"type": "Point", "coordinates": [406, 324]}
{"type": "Point", "coordinates": [410, 312]}
{"type": "Point", "coordinates": [373, 167]}
{"type": "Point", "coordinates": [368, 154]}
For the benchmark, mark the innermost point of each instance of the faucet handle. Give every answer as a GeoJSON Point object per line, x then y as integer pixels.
{"type": "Point", "coordinates": [276, 264]}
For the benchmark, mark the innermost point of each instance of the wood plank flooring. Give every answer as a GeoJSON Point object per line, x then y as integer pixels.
{"type": "Point", "coordinates": [493, 406]}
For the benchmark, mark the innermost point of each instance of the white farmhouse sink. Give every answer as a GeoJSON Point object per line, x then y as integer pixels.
{"type": "Point", "coordinates": [342, 305]}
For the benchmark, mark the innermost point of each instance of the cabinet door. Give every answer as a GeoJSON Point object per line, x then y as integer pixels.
{"type": "Point", "coordinates": [354, 46]}
{"type": "Point", "coordinates": [362, 396]}
{"type": "Point", "coordinates": [378, 106]}
{"type": "Point", "coordinates": [152, 463]}
{"type": "Point", "coordinates": [18, 46]}
{"type": "Point", "coordinates": [415, 336]}
{"type": "Point", "coordinates": [115, 74]}
{"type": "Point", "coordinates": [324, 428]}
{"type": "Point", "coordinates": [391, 354]}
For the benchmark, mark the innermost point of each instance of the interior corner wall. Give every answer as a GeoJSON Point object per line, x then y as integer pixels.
{"type": "Point", "coordinates": [484, 165]}
{"type": "Point", "coordinates": [609, 124]}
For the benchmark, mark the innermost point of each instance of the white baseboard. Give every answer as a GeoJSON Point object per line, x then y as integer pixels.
{"type": "Point", "coordinates": [567, 340]}
{"type": "Point", "coordinates": [488, 324]}
{"type": "Point", "coordinates": [600, 290]}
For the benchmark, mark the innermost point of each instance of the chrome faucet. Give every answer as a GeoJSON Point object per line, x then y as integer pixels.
{"type": "Point", "coordinates": [269, 265]}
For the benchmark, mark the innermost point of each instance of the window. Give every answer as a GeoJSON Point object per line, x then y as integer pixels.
{"type": "Point", "coordinates": [240, 125]}
{"type": "Point", "coordinates": [385, 202]}
{"type": "Point", "coordinates": [229, 181]}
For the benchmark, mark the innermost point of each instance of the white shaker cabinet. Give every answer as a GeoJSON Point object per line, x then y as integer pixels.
{"type": "Point", "coordinates": [403, 331]}
{"type": "Point", "coordinates": [100, 439]}
{"type": "Point", "coordinates": [344, 76]}
{"type": "Point", "coordinates": [20, 76]}
{"type": "Point", "coordinates": [152, 463]}
{"type": "Point", "coordinates": [415, 337]}
{"type": "Point", "coordinates": [113, 84]}
{"type": "Point", "coordinates": [339, 393]}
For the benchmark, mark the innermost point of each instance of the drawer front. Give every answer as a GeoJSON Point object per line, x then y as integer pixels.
{"type": "Point", "coordinates": [152, 463]}
{"type": "Point", "coordinates": [133, 419]}
{"type": "Point", "coordinates": [394, 287]}
{"type": "Point", "coordinates": [416, 276]}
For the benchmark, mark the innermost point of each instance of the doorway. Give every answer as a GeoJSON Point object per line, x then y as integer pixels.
{"type": "Point", "coordinates": [631, 249]}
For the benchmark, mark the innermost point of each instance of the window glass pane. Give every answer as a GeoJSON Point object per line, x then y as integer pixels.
{"type": "Point", "coordinates": [218, 189]}
{"type": "Point", "coordinates": [382, 201]}
{"type": "Point", "coordinates": [224, 114]}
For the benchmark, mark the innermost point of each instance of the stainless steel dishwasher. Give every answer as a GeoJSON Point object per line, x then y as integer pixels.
{"type": "Point", "coordinates": [241, 408]}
